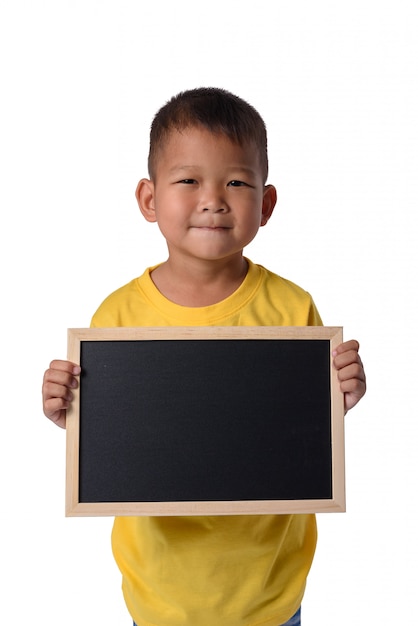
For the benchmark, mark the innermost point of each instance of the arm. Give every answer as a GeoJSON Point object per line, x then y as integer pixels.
{"type": "Point", "coordinates": [351, 373]}
{"type": "Point", "coordinates": [58, 381]}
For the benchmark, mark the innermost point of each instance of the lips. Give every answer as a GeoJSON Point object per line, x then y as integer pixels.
{"type": "Point", "coordinates": [212, 226]}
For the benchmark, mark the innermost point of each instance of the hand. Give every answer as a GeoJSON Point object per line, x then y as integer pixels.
{"type": "Point", "coordinates": [351, 373]}
{"type": "Point", "coordinates": [58, 381]}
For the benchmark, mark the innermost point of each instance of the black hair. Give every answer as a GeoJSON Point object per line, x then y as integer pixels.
{"type": "Point", "coordinates": [216, 110]}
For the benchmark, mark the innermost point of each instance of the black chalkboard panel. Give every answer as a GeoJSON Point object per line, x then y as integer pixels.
{"type": "Point", "coordinates": [196, 421]}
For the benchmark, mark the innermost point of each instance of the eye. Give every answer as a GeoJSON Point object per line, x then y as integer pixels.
{"type": "Point", "coordinates": [237, 183]}
{"type": "Point", "coordinates": [187, 181]}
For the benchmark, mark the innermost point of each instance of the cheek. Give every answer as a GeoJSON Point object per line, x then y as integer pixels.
{"type": "Point", "coordinates": [253, 219]}
{"type": "Point", "coordinates": [173, 203]}
{"type": "Point", "coordinates": [171, 223]}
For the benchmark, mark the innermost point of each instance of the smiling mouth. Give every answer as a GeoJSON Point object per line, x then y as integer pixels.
{"type": "Point", "coordinates": [212, 228]}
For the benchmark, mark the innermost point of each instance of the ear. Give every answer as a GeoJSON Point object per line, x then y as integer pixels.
{"type": "Point", "coordinates": [269, 202]}
{"type": "Point", "coordinates": [144, 195]}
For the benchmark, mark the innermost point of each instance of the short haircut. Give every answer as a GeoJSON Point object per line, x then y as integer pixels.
{"type": "Point", "coordinates": [216, 110]}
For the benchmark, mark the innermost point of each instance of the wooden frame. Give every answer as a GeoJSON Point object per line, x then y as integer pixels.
{"type": "Point", "coordinates": [329, 337]}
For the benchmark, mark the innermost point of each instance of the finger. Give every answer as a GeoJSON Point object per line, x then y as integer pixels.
{"type": "Point", "coordinates": [347, 346]}
{"type": "Point", "coordinates": [353, 370]}
{"type": "Point", "coordinates": [356, 386]}
{"type": "Point", "coordinates": [55, 390]}
{"type": "Point", "coordinates": [347, 358]}
{"type": "Point", "coordinates": [353, 390]}
{"type": "Point", "coordinates": [65, 366]}
{"type": "Point", "coordinates": [58, 416]}
{"type": "Point", "coordinates": [65, 376]}
{"type": "Point", "coordinates": [55, 405]}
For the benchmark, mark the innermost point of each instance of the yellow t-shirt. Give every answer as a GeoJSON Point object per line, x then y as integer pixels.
{"type": "Point", "coordinates": [245, 570]}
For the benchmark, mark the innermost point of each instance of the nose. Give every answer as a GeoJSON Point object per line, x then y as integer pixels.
{"type": "Point", "coordinates": [213, 209]}
{"type": "Point", "coordinates": [212, 201]}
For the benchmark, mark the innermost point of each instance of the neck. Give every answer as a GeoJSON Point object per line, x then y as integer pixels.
{"type": "Point", "coordinates": [199, 284]}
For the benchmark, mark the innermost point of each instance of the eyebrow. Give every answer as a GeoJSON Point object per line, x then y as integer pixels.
{"type": "Point", "coordinates": [176, 168]}
{"type": "Point", "coordinates": [236, 168]}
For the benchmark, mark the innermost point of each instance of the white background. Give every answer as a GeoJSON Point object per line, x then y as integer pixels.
{"type": "Point", "coordinates": [336, 83]}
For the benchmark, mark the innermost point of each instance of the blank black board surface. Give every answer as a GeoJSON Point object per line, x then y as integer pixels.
{"type": "Point", "coordinates": [205, 421]}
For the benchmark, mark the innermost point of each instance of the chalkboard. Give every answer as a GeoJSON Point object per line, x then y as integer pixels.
{"type": "Point", "coordinates": [205, 421]}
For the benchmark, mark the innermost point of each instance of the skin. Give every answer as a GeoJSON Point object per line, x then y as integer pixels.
{"type": "Point", "coordinates": [209, 199]}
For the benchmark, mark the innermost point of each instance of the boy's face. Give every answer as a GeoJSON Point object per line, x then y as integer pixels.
{"type": "Point", "coordinates": [208, 197]}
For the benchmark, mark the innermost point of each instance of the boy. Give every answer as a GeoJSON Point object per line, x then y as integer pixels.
{"type": "Point", "coordinates": [207, 192]}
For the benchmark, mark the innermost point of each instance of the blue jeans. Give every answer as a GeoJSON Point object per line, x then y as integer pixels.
{"type": "Point", "coordinates": [293, 621]}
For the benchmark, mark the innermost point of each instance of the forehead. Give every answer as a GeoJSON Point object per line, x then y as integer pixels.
{"type": "Point", "coordinates": [199, 146]}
